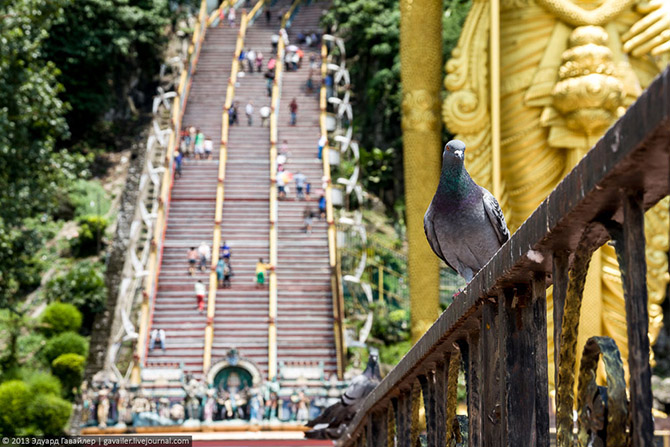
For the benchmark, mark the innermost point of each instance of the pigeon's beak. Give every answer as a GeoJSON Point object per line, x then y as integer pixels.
{"type": "Point", "coordinates": [459, 153]}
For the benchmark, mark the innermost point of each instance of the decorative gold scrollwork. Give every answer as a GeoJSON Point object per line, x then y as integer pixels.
{"type": "Point", "coordinates": [453, 428]}
{"type": "Point", "coordinates": [603, 412]}
{"type": "Point", "coordinates": [419, 111]}
{"type": "Point", "coordinates": [591, 239]}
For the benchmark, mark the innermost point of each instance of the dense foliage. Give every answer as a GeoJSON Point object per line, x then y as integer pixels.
{"type": "Point", "coordinates": [371, 29]}
{"type": "Point", "coordinates": [69, 368]}
{"type": "Point", "coordinates": [28, 409]}
{"type": "Point", "coordinates": [115, 43]}
{"type": "Point", "coordinates": [31, 120]}
{"type": "Point", "coordinates": [89, 240]}
{"type": "Point", "coordinates": [82, 286]}
{"type": "Point", "coordinates": [60, 317]}
{"type": "Point", "coordinates": [67, 70]}
{"type": "Point", "coordinates": [65, 343]}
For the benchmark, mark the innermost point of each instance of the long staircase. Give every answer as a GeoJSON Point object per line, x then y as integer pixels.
{"type": "Point", "coordinates": [242, 311]}
{"type": "Point", "coordinates": [305, 303]}
{"type": "Point", "coordinates": [305, 315]}
{"type": "Point", "coordinates": [191, 212]}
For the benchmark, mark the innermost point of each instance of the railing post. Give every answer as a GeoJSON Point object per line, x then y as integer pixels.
{"type": "Point", "coordinates": [402, 406]}
{"type": "Point", "coordinates": [523, 346]}
{"type": "Point", "coordinates": [377, 431]}
{"type": "Point", "coordinates": [474, 366]}
{"type": "Point", "coordinates": [634, 276]}
{"type": "Point", "coordinates": [560, 281]}
{"type": "Point", "coordinates": [433, 385]}
{"type": "Point", "coordinates": [490, 410]}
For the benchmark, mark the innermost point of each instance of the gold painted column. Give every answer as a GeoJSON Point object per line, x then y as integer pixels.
{"type": "Point", "coordinates": [421, 76]}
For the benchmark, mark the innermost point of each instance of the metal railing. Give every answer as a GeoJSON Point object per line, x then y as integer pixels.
{"type": "Point", "coordinates": [496, 329]}
{"type": "Point", "coordinates": [156, 229]}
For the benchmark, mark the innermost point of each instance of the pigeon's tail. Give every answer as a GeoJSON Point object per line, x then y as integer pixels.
{"type": "Point", "coordinates": [326, 433]}
{"type": "Point", "coordinates": [316, 434]}
{"type": "Point", "coordinates": [327, 416]}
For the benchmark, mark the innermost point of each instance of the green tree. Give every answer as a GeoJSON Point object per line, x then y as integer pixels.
{"type": "Point", "coordinates": [14, 401]}
{"type": "Point", "coordinates": [32, 173]}
{"type": "Point", "coordinates": [89, 240]}
{"type": "Point", "coordinates": [49, 413]}
{"type": "Point", "coordinates": [114, 43]}
{"type": "Point", "coordinates": [69, 368]}
{"type": "Point", "coordinates": [41, 383]}
{"type": "Point", "coordinates": [60, 317]}
{"type": "Point", "coordinates": [82, 286]}
{"type": "Point", "coordinates": [65, 343]}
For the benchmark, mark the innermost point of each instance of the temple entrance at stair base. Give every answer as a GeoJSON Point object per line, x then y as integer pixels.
{"type": "Point", "coordinates": [234, 371]}
{"type": "Point", "coordinates": [232, 377]}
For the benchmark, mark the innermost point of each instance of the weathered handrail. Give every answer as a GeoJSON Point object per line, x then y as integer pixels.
{"type": "Point", "coordinates": [223, 158]}
{"type": "Point", "coordinates": [218, 12]}
{"type": "Point", "coordinates": [335, 274]}
{"type": "Point", "coordinates": [156, 244]}
{"type": "Point", "coordinates": [498, 325]}
{"type": "Point", "coordinates": [288, 17]}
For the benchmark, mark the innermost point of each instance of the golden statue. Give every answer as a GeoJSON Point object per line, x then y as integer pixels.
{"type": "Point", "coordinates": [568, 70]}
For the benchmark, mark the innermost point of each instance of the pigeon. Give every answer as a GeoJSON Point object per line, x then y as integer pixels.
{"type": "Point", "coordinates": [464, 224]}
{"type": "Point", "coordinates": [332, 423]}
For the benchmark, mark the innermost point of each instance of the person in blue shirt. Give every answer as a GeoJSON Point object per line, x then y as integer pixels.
{"type": "Point", "coordinates": [224, 252]}
{"type": "Point", "coordinates": [178, 157]}
{"type": "Point", "coordinates": [322, 207]}
{"type": "Point", "coordinates": [220, 266]}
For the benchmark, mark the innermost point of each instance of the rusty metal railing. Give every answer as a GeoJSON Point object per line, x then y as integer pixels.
{"type": "Point", "coordinates": [496, 329]}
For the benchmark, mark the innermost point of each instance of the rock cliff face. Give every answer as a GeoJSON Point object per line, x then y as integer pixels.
{"type": "Point", "coordinates": [105, 321]}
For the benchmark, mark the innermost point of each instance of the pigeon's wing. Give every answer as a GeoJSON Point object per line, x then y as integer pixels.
{"type": "Point", "coordinates": [433, 241]}
{"type": "Point", "coordinates": [327, 416]}
{"type": "Point", "coordinates": [357, 391]}
{"type": "Point", "coordinates": [495, 215]}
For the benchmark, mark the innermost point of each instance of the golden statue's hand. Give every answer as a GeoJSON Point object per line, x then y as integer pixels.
{"type": "Point", "coordinates": [652, 32]}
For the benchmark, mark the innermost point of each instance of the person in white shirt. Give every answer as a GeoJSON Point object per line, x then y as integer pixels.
{"type": "Point", "coordinates": [157, 334]}
{"type": "Point", "coordinates": [265, 114]}
{"type": "Point", "coordinates": [204, 252]}
{"type": "Point", "coordinates": [200, 292]}
{"type": "Point", "coordinates": [251, 60]}
{"type": "Point", "coordinates": [209, 146]}
{"type": "Point", "coordinates": [231, 17]}
{"type": "Point", "coordinates": [250, 112]}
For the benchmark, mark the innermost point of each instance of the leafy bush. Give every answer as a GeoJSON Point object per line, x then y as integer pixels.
{"type": "Point", "coordinates": [50, 413]}
{"type": "Point", "coordinates": [60, 317]}
{"type": "Point", "coordinates": [65, 343]}
{"type": "Point", "coordinates": [391, 326]}
{"type": "Point", "coordinates": [392, 354]}
{"type": "Point", "coordinates": [89, 240]}
{"type": "Point", "coordinates": [84, 287]}
{"type": "Point", "coordinates": [69, 368]}
{"type": "Point", "coordinates": [89, 198]}
{"type": "Point", "coordinates": [14, 401]}
{"type": "Point", "coordinates": [41, 383]}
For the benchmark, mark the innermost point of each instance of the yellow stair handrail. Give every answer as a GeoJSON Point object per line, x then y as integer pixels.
{"type": "Point", "coordinates": [223, 157]}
